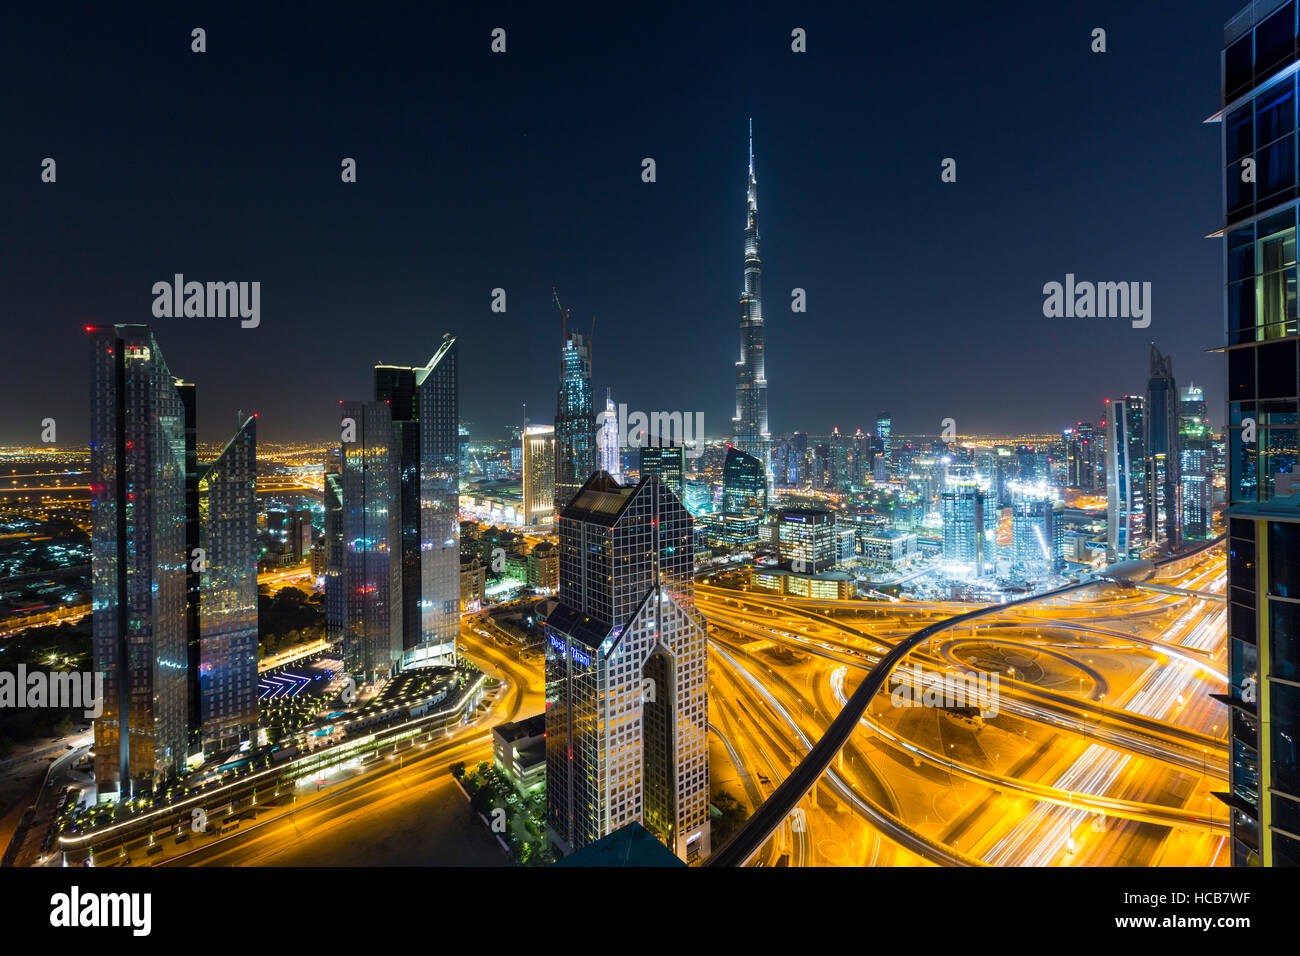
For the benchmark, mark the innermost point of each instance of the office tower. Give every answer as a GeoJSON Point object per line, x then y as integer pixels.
{"type": "Point", "coordinates": [1263, 523]}
{"type": "Point", "coordinates": [744, 490]}
{"type": "Point", "coordinates": [1194, 464]}
{"type": "Point", "coordinates": [1037, 532]}
{"type": "Point", "coordinates": [371, 574]}
{"type": "Point", "coordinates": [575, 435]}
{"type": "Point", "coordinates": [426, 448]}
{"type": "Point", "coordinates": [884, 444]}
{"type": "Point", "coordinates": [538, 486]}
{"type": "Point", "coordinates": [969, 522]}
{"type": "Point", "coordinates": [807, 542]}
{"type": "Point", "coordinates": [1164, 487]}
{"type": "Point", "coordinates": [860, 467]}
{"type": "Point", "coordinates": [1125, 507]}
{"type": "Point", "coordinates": [227, 598]}
{"type": "Point", "coordinates": [838, 462]}
{"type": "Point", "coordinates": [626, 684]}
{"type": "Point", "coordinates": [609, 442]}
{"type": "Point", "coordinates": [669, 463]}
{"type": "Point", "coordinates": [173, 571]}
{"type": "Point", "coordinates": [1080, 456]}
{"type": "Point", "coordinates": [750, 424]}
{"type": "Point", "coordinates": [139, 559]}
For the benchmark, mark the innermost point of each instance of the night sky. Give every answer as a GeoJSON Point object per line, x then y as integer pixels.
{"type": "Point", "coordinates": [523, 171]}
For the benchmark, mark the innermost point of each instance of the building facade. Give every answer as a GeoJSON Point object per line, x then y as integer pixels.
{"type": "Point", "coordinates": [1259, 123]}
{"type": "Point", "coordinates": [575, 425]}
{"type": "Point", "coordinates": [626, 681]}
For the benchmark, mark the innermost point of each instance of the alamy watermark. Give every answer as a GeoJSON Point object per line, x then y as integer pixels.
{"type": "Point", "coordinates": [59, 689]}
{"type": "Point", "coordinates": [1100, 300]}
{"type": "Point", "coordinates": [657, 429]}
{"type": "Point", "coordinates": [208, 300]}
{"type": "Point", "coordinates": [976, 690]}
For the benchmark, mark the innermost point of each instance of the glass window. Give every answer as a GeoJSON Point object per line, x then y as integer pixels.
{"type": "Point", "coordinates": [1275, 172]}
{"type": "Point", "coordinates": [1241, 253]}
{"type": "Point", "coordinates": [1241, 465]}
{"type": "Point", "coordinates": [1284, 703]}
{"type": "Point", "coordinates": [1238, 63]}
{"type": "Point", "coordinates": [1275, 112]}
{"type": "Point", "coordinates": [1284, 559]}
{"type": "Point", "coordinates": [1240, 133]}
{"type": "Point", "coordinates": [1284, 639]}
{"type": "Point", "coordinates": [1275, 40]}
{"type": "Point", "coordinates": [1277, 372]}
{"type": "Point", "coordinates": [1241, 374]}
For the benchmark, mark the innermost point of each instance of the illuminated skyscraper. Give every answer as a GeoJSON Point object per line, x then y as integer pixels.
{"type": "Point", "coordinates": [575, 435]}
{"type": "Point", "coordinates": [750, 424]}
{"type": "Point", "coordinates": [626, 683]}
{"type": "Point", "coordinates": [371, 575]}
{"type": "Point", "coordinates": [538, 484]}
{"type": "Point", "coordinates": [609, 442]}
{"type": "Point", "coordinates": [139, 560]}
{"type": "Point", "coordinates": [666, 461]}
{"type": "Point", "coordinates": [1194, 464]}
{"type": "Point", "coordinates": [424, 405]}
{"type": "Point", "coordinates": [1263, 659]}
{"type": "Point", "coordinates": [1080, 457]}
{"type": "Point", "coordinates": [173, 570]}
{"type": "Point", "coordinates": [884, 444]}
{"type": "Point", "coordinates": [969, 522]}
{"type": "Point", "coordinates": [227, 606]}
{"type": "Point", "coordinates": [1163, 485]}
{"type": "Point", "coordinates": [1125, 513]}
{"type": "Point", "coordinates": [1037, 532]}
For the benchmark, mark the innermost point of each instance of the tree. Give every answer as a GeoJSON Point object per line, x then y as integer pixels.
{"type": "Point", "coordinates": [458, 770]}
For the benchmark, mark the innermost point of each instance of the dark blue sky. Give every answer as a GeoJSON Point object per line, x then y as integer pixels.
{"type": "Point", "coordinates": [523, 171]}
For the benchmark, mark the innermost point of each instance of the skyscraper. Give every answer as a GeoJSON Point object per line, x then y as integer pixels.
{"type": "Point", "coordinates": [884, 443]}
{"type": "Point", "coordinates": [139, 560]}
{"type": "Point", "coordinates": [371, 575]}
{"type": "Point", "coordinates": [1263, 658]}
{"type": "Point", "coordinates": [608, 441]}
{"type": "Point", "coordinates": [173, 570]}
{"type": "Point", "coordinates": [1037, 532]}
{"type": "Point", "coordinates": [666, 461]}
{"type": "Point", "coordinates": [575, 436]}
{"type": "Point", "coordinates": [1163, 486]}
{"type": "Point", "coordinates": [227, 599]}
{"type": "Point", "coordinates": [1194, 464]}
{"type": "Point", "coordinates": [750, 424]}
{"type": "Point", "coordinates": [969, 522]}
{"type": "Point", "coordinates": [1125, 508]}
{"type": "Point", "coordinates": [538, 484]}
{"type": "Point", "coordinates": [424, 406]}
{"type": "Point", "coordinates": [1080, 457]}
{"type": "Point", "coordinates": [626, 684]}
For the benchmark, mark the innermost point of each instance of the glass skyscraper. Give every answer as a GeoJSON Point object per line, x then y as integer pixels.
{"type": "Point", "coordinates": [227, 612]}
{"type": "Point", "coordinates": [139, 560]}
{"type": "Point", "coordinates": [424, 406]}
{"type": "Point", "coordinates": [370, 576]}
{"type": "Point", "coordinates": [668, 462]}
{"type": "Point", "coordinates": [1258, 118]}
{"type": "Point", "coordinates": [1195, 471]}
{"type": "Point", "coordinates": [575, 424]}
{"type": "Point", "coordinates": [626, 681]}
{"type": "Point", "coordinates": [173, 570]}
{"type": "Point", "coordinates": [1163, 460]}
{"type": "Point", "coordinates": [610, 444]}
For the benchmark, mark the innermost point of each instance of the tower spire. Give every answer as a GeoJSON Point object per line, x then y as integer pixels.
{"type": "Point", "coordinates": [751, 147]}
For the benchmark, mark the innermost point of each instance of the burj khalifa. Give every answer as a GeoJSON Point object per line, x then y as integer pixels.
{"type": "Point", "coordinates": [749, 427]}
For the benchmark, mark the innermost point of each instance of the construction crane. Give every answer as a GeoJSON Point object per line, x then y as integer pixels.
{"type": "Point", "coordinates": [564, 315]}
